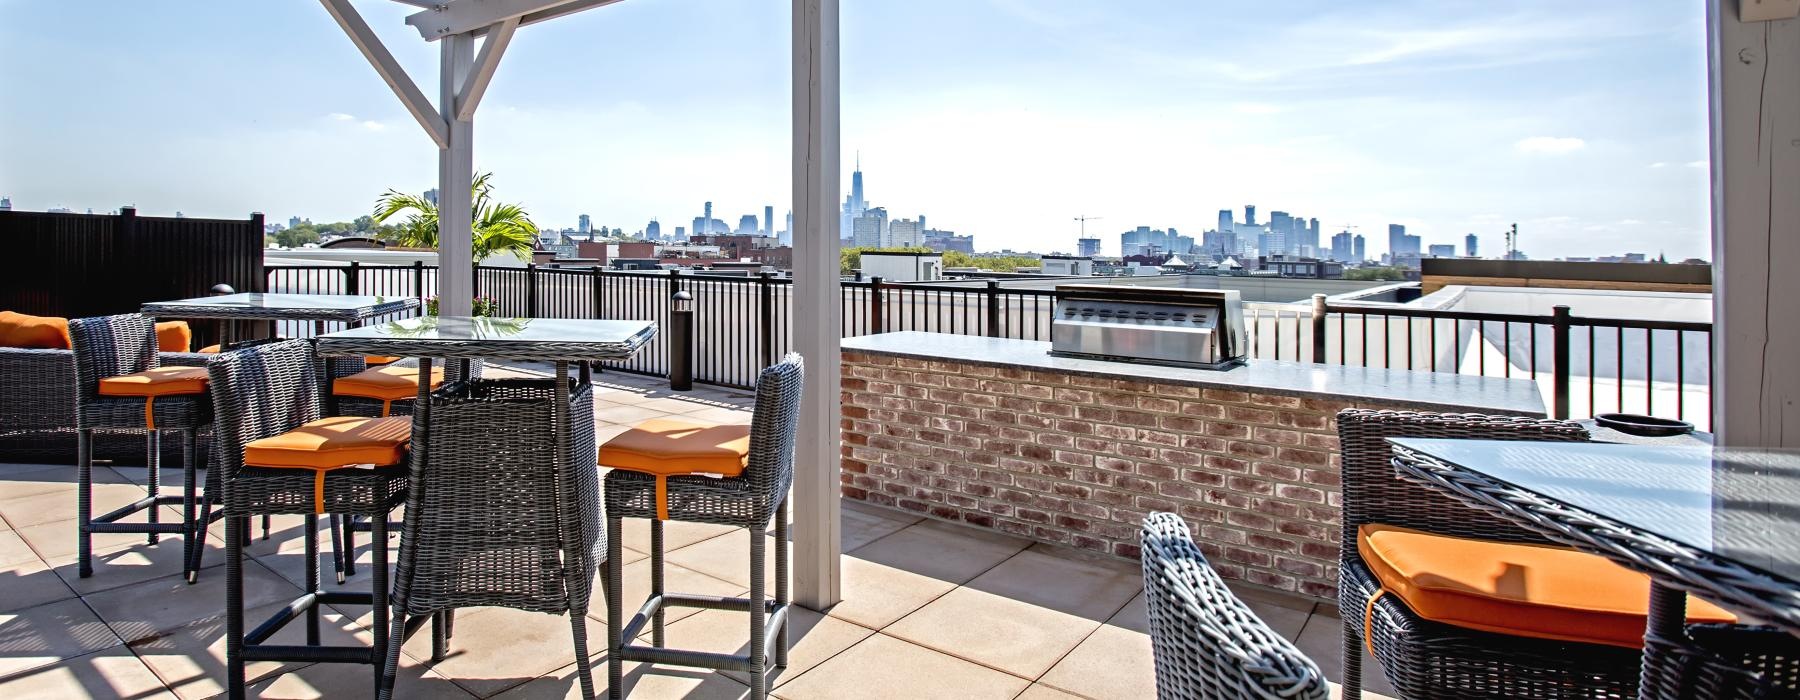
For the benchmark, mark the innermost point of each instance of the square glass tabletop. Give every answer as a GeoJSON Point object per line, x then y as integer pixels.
{"type": "Point", "coordinates": [540, 339]}
{"type": "Point", "coordinates": [281, 307]}
{"type": "Point", "coordinates": [1739, 504]}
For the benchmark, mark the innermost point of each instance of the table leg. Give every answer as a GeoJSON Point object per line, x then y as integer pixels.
{"type": "Point", "coordinates": [1667, 619]}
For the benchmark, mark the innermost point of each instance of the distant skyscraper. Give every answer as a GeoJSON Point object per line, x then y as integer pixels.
{"type": "Point", "coordinates": [787, 234]}
{"type": "Point", "coordinates": [653, 231]}
{"type": "Point", "coordinates": [1360, 250]}
{"type": "Point", "coordinates": [1250, 214]}
{"type": "Point", "coordinates": [431, 195]}
{"type": "Point", "coordinates": [1342, 247]}
{"type": "Point", "coordinates": [1443, 250]}
{"type": "Point", "coordinates": [1469, 246]}
{"type": "Point", "coordinates": [293, 222]}
{"type": "Point", "coordinates": [680, 234]}
{"type": "Point", "coordinates": [768, 220]}
{"type": "Point", "coordinates": [1087, 247]}
{"type": "Point", "coordinates": [705, 225]}
{"type": "Point", "coordinates": [586, 225]}
{"type": "Point", "coordinates": [1401, 245]}
{"type": "Point", "coordinates": [1309, 240]}
{"type": "Point", "coordinates": [870, 229]}
{"type": "Point", "coordinates": [1225, 220]}
{"type": "Point", "coordinates": [5, 204]}
{"type": "Point", "coordinates": [905, 233]}
{"type": "Point", "coordinates": [746, 225]}
{"type": "Point", "coordinates": [1281, 234]}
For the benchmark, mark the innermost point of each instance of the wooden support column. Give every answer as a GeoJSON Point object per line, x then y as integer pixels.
{"type": "Point", "coordinates": [1754, 91]}
{"type": "Point", "coordinates": [456, 171]}
{"type": "Point", "coordinates": [817, 538]}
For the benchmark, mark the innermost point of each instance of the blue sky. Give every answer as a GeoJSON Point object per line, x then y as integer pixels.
{"type": "Point", "coordinates": [1583, 122]}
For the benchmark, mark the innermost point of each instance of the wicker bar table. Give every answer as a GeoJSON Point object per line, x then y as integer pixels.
{"type": "Point", "coordinates": [1720, 523]}
{"type": "Point", "coordinates": [503, 502]}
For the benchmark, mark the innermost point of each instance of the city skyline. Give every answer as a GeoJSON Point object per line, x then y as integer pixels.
{"type": "Point", "coordinates": [1022, 116]}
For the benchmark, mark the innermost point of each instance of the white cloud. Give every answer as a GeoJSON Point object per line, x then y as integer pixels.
{"type": "Point", "coordinates": [1698, 164]}
{"type": "Point", "coordinates": [1550, 145]}
{"type": "Point", "coordinates": [1659, 164]}
{"type": "Point", "coordinates": [373, 125]}
{"type": "Point", "coordinates": [341, 117]}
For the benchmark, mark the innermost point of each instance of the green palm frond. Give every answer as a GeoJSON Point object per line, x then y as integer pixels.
{"type": "Point", "coordinates": [497, 228]}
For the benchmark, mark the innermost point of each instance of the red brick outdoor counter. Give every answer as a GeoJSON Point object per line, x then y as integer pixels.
{"type": "Point", "coordinates": [996, 433]}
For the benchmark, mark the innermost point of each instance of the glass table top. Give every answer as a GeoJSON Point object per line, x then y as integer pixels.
{"type": "Point", "coordinates": [245, 303]}
{"type": "Point", "coordinates": [1739, 504]}
{"type": "Point", "coordinates": [521, 338]}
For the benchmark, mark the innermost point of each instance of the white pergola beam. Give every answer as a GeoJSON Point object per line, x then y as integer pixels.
{"type": "Point", "coordinates": [818, 540]}
{"type": "Point", "coordinates": [1754, 91]}
{"type": "Point", "coordinates": [469, 96]}
{"type": "Point", "coordinates": [476, 16]}
{"type": "Point", "coordinates": [389, 69]}
{"type": "Point", "coordinates": [427, 4]}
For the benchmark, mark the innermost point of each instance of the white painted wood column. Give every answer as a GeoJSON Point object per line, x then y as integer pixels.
{"type": "Point", "coordinates": [456, 171]}
{"type": "Point", "coordinates": [817, 539]}
{"type": "Point", "coordinates": [1754, 88]}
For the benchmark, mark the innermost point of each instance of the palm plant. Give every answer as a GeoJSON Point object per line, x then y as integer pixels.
{"type": "Point", "coordinates": [498, 227]}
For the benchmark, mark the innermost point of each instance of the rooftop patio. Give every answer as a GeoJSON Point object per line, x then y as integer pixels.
{"type": "Point", "coordinates": [930, 609]}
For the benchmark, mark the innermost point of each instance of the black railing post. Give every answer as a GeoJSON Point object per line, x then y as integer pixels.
{"type": "Point", "coordinates": [418, 279]}
{"type": "Point", "coordinates": [474, 280]}
{"type": "Point", "coordinates": [765, 294]}
{"type": "Point", "coordinates": [877, 316]}
{"type": "Point", "coordinates": [531, 302]}
{"type": "Point", "coordinates": [353, 283]}
{"type": "Point", "coordinates": [1559, 359]}
{"type": "Point", "coordinates": [599, 292]}
{"type": "Point", "coordinates": [993, 308]}
{"type": "Point", "coordinates": [681, 341]}
{"type": "Point", "coordinates": [1319, 312]}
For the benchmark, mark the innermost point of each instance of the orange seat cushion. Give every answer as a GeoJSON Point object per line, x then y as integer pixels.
{"type": "Point", "coordinates": [1526, 590]}
{"type": "Point", "coordinates": [174, 336]}
{"type": "Point", "coordinates": [210, 350]}
{"type": "Point", "coordinates": [330, 443]}
{"type": "Point", "coordinates": [373, 360]}
{"type": "Point", "coordinates": [162, 381]}
{"type": "Point", "coordinates": [24, 331]}
{"type": "Point", "coordinates": [385, 383]}
{"type": "Point", "coordinates": [670, 447]}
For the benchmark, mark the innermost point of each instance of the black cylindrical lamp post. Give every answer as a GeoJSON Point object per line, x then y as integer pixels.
{"type": "Point", "coordinates": [681, 341]}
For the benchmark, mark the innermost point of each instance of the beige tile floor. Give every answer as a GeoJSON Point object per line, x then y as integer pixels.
{"type": "Point", "coordinates": [930, 609]}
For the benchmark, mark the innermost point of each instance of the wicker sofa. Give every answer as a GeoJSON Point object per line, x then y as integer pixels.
{"type": "Point", "coordinates": [37, 410]}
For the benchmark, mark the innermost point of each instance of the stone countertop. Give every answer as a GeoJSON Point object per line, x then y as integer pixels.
{"type": "Point", "coordinates": [1397, 388]}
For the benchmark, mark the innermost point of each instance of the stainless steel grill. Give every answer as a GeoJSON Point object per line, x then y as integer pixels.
{"type": "Point", "coordinates": [1201, 328]}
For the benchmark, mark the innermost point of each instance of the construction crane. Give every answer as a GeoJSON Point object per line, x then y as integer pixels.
{"type": "Point", "coordinates": [1084, 219]}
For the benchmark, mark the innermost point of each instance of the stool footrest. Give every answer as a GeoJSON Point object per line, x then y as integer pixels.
{"type": "Point", "coordinates": [292, 612]}
{"type": "Point", "coordinates": [138, 505]}
{"type": "Point", "coordinates": [299, 652]}
{"type": "Point", "coordinates": [778, 615]}
{"type": "Point", "coordinates": [137, 528]}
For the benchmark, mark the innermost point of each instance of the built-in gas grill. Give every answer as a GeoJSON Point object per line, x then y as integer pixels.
{"type": "Point", "coordinates": [1201, 328]}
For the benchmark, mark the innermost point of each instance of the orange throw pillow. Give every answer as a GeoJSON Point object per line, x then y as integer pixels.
{"type": "Point", "coordinates": [174, 336]}
{"type": "Point", "coordinates": [23, 331]}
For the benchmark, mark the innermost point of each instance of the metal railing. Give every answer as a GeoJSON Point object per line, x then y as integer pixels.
{"type": "Point", "coordinates": [1585, 364]}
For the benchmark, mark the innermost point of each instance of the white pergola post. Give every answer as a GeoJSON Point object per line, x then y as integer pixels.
{"type": "Point", "coordinates": [817, 538]}
{"type": "Point", "coordinates": [1754, 91]}
{"type": "Point", "coordinates": [456, 171]}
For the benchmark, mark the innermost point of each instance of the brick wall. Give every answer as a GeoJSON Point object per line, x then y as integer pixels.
{"type": "Point", "coordinates": [1079, 461]}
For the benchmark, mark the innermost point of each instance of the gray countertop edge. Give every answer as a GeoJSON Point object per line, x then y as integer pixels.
{"type": "Point", "coordinates": [1495, 395]}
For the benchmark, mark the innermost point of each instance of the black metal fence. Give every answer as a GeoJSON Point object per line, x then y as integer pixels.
{"type": "Point", "coordinates": [1586, 364]}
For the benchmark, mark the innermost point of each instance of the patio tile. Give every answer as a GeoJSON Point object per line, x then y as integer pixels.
{"type": "Point", "coordinates": [340, 681]}
{"type": "Point", "coordinates": [1322, 641]}
{"type": "Point", "coordinates": [56, 504]}
{"type": "Point", "coordinates": [1113, 662]}
{"type": "Point", "coordinates": [676, 534]}
{"type": "Point", "coordinates": [721, 415]}
{"type": "Point", "coordinates": [49, 634]}
{"type": "Point", "coordinates": [167, 604]}
{"type": "Point", "coordinates": [37, 479]}
{"type": "Point", "coordinates": [812, 638]}
{"type": "Point", "coordinates": [627, 415]}
{"type": "Point", "coordinates": [132, 562]}
{"type": "Point", "coordinates": [863, 523]}
{"type": "Point", "coordinates": [1039, 691]}
{"type": "Point", "coordinates": [675, 403]}
{"type": "Point", "coordinates": [14, 550]}
{"type": "Point", "coordinates": [875, 595]}
{"type": "Point", "coordinates": [497, 648]}
{"type": "Point", "coordinates": [1135, 616]}
{"type": "Point", "coordinates": [946, 552]}
{"type": "Point", "coordinates": [676, 579]}
{"type": "Point", "coordinates": [191, 658]}
{"type": "Point", "coordinates": [727, 557]}
{"type": "Point", "coordinates": [1064, 580]}
{"type": "Point", "coordinates": [1011, 635]}
{"type": "Point", "coordinates": [113, 673]}
{"type": "Point", "coordinates": [55, 541]}
{"type": "Point", "coordinates": [640, 680]}
{"type": "Point", "coordinates": [29, 584]}
{"type": "Point", "coordinates": [885, 667]}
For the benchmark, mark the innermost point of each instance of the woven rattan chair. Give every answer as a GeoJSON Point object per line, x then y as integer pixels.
{"type": "Point", "coordinates": [1206, 643]}
{"type": "Point", "coordinates": [493, 519]}
{"type": "Point", "coordinates": [264, 391]}
{"type": "Point", "coordinates": [108, 348]}
{"type": "Point", "coordinates": [1427, 659]}
{"type": "Point", "coordinates": [748, 501]}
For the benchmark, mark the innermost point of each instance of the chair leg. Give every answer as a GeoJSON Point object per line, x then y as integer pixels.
{"type": "Point", "coordinates": [1353, 653]}
{"type": "Point", "coordinates": [337, 546]}
{"type": "Point", "coordinates": [615, 608]}
{"type": "Point", "coordinates": [450, 623]}
{"type": "Point", "coordinates": [235, 526]}
{"type": "Point", "coordinates": [201, 526]}
{"type": "Point", "coordinates": [311, 526]}
{"type": "Point", "coordinates": [759, 656]}
{"type": "Point", "coordinates": [349, 565]}
{"type": "Point", "coordinates": [440, 647]}
{"type": "Point", "coordinates": [386, 660]}
{"type": "Point", "coordinates": [583, 667]}
{"type": "Point", "coordinates": [266, 519]}
{"type": "Point", "coordinates": [153, 477]}
{"type": "Point", "coordinates": [656, 580]}
{"type": "Point", "coordinates": [189, 527]}
{"type": "Point", "coordinates": [781, 579]}
{"type": "Point", "coordinates": [84, 502]}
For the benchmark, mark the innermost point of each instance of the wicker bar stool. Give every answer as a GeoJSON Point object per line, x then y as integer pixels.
{"type": "Point", "coordinates": [277, 455]}
{"type": "Point", "coordinates": [660, 472]}
{"type": "Point", "coordinates": [1205, 642]}
{"type": "Point", "coordinates": [122, 386]}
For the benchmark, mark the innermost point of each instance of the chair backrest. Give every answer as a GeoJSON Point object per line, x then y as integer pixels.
{"type": "Point", "coordinates": [260, 391]}
{"type": "Point", "coordinates": [1207, 643]}
{"type": "Point", "coordinates": [109, 346]}
{"type": "Point", "coordinates": [1372, 494]}
{"type": "Point", "coordinates": [775, 423]}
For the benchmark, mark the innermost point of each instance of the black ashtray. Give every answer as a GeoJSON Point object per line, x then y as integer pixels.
{"type": "Point", "coordinates": [1643, 426]}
